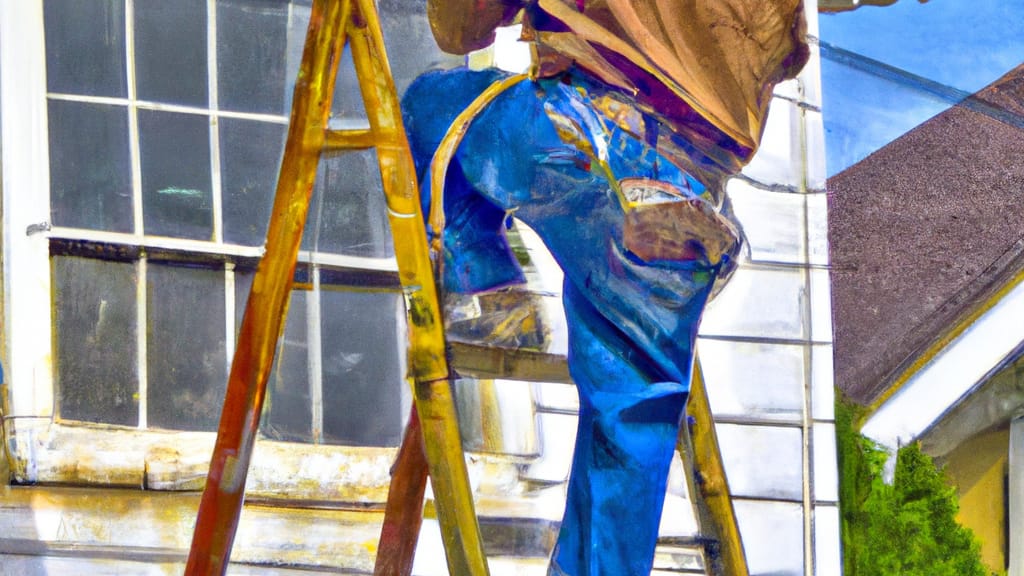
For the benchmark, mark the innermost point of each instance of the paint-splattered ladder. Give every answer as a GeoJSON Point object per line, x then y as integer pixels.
{"type": "Point", "coordinates": [335, 24]}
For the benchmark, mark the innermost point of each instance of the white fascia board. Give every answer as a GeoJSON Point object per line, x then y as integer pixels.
{"type": "Point", "coordinates": [954, 371]}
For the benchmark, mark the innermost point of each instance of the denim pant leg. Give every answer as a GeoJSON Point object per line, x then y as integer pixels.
{"type": "Point", "coordinates": [627, 434]}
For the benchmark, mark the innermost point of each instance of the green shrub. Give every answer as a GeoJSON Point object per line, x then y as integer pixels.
{"type": "Point", "coordinates": [908, 528]}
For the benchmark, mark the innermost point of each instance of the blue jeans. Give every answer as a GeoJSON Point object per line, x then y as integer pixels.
{"type": "Point", "coordinates": [632, 324]}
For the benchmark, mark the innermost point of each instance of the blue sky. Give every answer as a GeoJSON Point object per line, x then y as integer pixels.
{"type": "Point", "coordinates": [962, 44]}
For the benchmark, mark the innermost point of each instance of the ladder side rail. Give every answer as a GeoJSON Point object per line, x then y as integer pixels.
{"type": "Point", "coordinates": [403, 513]}
{"type": "Point", "coordinates": [427, 355]}
{"type": "Point", "coordinates": [263, 321]}
{"type": "Point", "coordinates": [709, 489]}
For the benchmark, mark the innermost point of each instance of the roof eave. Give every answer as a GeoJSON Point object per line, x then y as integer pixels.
{"type": "Point", "coordinates": [959, 361]}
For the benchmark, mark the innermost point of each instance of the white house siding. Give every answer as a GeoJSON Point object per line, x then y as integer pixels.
{"type": "Point", "coordinates": [766, 345]}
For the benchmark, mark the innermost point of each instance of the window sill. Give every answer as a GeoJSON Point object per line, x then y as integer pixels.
{"type": "Point", "coordinates": [45, 452]}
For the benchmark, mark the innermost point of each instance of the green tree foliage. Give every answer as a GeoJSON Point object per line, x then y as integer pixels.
{"type": "Point", "coordinates": [908, 528]}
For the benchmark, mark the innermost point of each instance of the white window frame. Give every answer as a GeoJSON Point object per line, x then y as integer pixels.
{"type": "Point", "coordinates": [44, 449]}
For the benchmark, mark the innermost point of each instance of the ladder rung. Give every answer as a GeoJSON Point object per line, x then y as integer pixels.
{"type": "Point", "coordinates": [349, 139]}
{"type": "Point", "coordinates": [483, 361]}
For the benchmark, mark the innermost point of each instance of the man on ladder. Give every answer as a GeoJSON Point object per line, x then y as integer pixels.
{"type": "Point", "coordinates": [615, 151]}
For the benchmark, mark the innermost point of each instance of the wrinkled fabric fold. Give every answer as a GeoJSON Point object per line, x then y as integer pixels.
{"type": "Point", "coordinates": [625, 440]}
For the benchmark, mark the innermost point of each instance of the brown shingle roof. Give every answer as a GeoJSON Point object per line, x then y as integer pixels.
{"type": "Point", "coordinates": [922, 230]}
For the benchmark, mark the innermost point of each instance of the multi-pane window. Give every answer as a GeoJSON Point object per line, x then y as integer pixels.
{"type": "Point", "coordinates": [167, 122]}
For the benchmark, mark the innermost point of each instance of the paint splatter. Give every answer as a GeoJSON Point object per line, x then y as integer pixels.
{"type": "Point", "coordinates": [186, 192]}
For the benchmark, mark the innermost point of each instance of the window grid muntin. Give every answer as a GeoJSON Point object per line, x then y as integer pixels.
{"type": "Point", "coordinates": [141, 340]}
{"type": "Point", "coordinates": [314, 348]}
{"type": "Point", "coordinates": [214, 131]}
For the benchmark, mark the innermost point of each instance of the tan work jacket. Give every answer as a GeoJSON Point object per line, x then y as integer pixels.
{"type": "Point", "coordinates": [721, 58]}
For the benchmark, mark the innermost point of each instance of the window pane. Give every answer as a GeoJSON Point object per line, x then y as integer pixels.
{"type": "Point", "coordinates": [754, 380]}
{"type": "Point", "coordinates": [186, 365]}
{"type": "Point", "coordinates": [250, 155]}
{"type": "Point", "coordinates": [778, 160]}
{"type": "Point", "coordinates": [411, 50]}
{"type": "Point", "coordinates": [348, 214]}
{"type": "Point", "coordinates": [497, 417]}
{"type": "Point", "coordinates": [243, 284]}
{"type": "Point", "coordinates": [773, 536]}
{"type": "Point", "coordinates": [409, 42]}
{"type": "Point", "coordinates": [90, 167]}
{"type": "Point", "coordinates": [85, 47]}
{"type": "Point", "coordinates": [823, 400]}
{"type": "Point", "coordinates": [362, 376]}
{"type": "Point", "coordinates": [290, 415]}
{"type": "Point", "coordinates": [251, 55]}
{"type": "Point", "coordinates": [347, 107]}
{"type": "Point", "coordinates": [773, 222]}
{"type": "Point", "coordinates": [95, 332]}
{"type": "Point", "coordinates": [558, 432]}
{"type": "Point", "coordinates": [287, 414]}
{"type": "Point", "coordinates": [170, 51]}
{"type": "Point", "coordinates": [827, 544]}
{"type": "Point", "coordinates": [176, 192]}
{"type": "Point", "coordinates": [762, 461]}
{"type": "Point", "coordinates": [759, 302]}
{"type": "Point", "coordinates": [826, 467]}
{"type": "Point", "coordinates": [298, 23]}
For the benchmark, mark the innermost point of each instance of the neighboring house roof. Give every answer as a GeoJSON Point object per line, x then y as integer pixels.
{"type": "Point", "coordinates": [925, 234]}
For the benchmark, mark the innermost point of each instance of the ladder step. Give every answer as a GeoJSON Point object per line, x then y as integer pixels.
{"type": "Point", "coordinates": [349, 139]}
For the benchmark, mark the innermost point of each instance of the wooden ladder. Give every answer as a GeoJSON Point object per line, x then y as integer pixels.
{"type": "Point", "coordinates": [433, 430]}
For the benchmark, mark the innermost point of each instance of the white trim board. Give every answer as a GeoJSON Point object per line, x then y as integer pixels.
{"type": "Point", "coordinates": [26, 209]}
{"type": "Point", "coordinates": [956, 370]}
